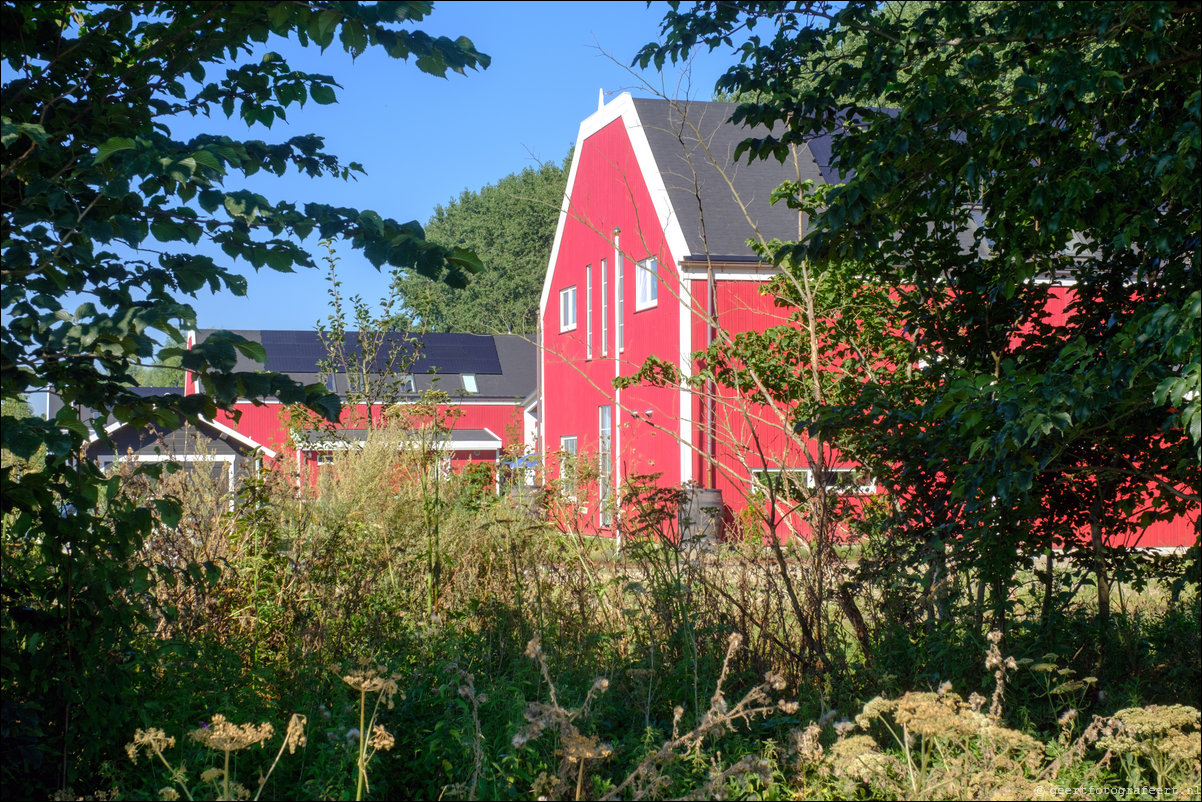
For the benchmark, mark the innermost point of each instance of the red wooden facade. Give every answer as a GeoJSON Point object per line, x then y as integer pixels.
{"type": "Point", "coordinates": [626, 202]}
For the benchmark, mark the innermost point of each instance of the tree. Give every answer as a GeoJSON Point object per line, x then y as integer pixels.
{"type": "Point", "coordinates": [988, 148]}
{"type": "Point", "coordinates": [510, 226]}
{"type": "Point", "coordinates": [102, 203]}
{"type": "Point", "coordinates": [373, 360]}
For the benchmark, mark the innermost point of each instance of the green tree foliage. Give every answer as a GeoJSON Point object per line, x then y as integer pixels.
{"type": "Point", "coordinates": [104, 207]}
{"type": "Point", "coordinates": [988, 148]}
{"type": "Point", "coordinates": [510, 226]}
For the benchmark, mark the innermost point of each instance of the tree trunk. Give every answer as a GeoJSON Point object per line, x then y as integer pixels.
{"type": "Point", "coordinates": [1098, 541]}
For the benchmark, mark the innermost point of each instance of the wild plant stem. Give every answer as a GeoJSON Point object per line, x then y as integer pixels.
{"type": "Point", "coordinates": [362, 746]}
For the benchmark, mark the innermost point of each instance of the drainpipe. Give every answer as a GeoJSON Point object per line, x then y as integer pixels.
{"type": "Point", "coordinates": [711, 333]}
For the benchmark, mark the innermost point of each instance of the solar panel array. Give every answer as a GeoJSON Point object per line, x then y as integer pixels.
{"type": "Point", "coordinates": [301, 351]}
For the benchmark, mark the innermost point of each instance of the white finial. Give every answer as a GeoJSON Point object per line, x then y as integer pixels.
{"type": "Point", "coordinates": [600, 99]}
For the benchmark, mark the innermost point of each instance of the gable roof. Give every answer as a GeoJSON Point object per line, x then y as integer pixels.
{"type": "Point", "coordinates": [715, 198]}
{"type": "Point", "coordinates": [148, 435]}
{"type": "Point", "coordinates": [503, 364]}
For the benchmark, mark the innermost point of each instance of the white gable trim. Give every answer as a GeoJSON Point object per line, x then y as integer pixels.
{"type": "Point", "coordinates": [233, 434]}
{"type": "Point", "coordinates": [620, 108]}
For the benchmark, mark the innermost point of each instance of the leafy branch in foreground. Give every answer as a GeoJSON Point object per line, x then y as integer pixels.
{"type": "Point", "coordinates": [105, 207]}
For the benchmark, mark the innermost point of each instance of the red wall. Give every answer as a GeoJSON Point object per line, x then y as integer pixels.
{"type": "Point", "coordinates": [609, 193]}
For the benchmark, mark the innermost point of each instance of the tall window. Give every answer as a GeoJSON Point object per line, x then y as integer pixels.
{"type": "Point", "coordinates": [619, 300]}
{"type": "Point", "coordinates": [604, 309]}
{"type": "Point", "coordinates": [588, 312]}
{"type": "Point", "coordinates": [605, 462]}
{"type": "Point", "coordinates": [567, 465]}
{"type": "Point", "coordinates": [646, 284]}
{"type": "Point", "coordinates": [567, 309]}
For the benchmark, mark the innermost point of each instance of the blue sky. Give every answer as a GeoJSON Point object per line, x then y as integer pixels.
{"type": "Point", "coordinates": [423, 140]}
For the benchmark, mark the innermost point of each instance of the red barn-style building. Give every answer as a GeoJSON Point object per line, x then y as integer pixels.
{"type": "Point", "coordinates": [650, 261]}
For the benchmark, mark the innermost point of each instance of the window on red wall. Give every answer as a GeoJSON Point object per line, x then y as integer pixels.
{"type": "Point", "coordinates": [567, 309]}
{"type": "Point", "coordinates": [588, 312]}
{"type": "Point", "coordinates": [646, 284]}
{"type": "Point", "coordinates": [619, 300]}
{"type": "Point", "coordinates": [568, 469]}
{"type": "Point", "coordinates": [604, 309]}
{"type": "Point", "coordinates": [605, 465]}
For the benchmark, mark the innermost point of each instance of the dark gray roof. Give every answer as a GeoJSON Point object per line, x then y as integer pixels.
{"type": "Point", "coordinates": [693, 145]}
{"type": "Point", "coordinates": [47, 403]}
{"type": "Point", "coordinates": [503, 364]}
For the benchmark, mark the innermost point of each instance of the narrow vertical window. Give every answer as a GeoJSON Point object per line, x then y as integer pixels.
{"type": "Point", "coordinates": [619, 300]}
{"type": "Point", "coordinates": [646, 284]}
{"type": "Point", "coordinates": [605, 462]}
{"type": "Point", "coordinates": [568, 466]}
{"type": "Point", "coordinates": [604, 309]}
{"type": "Point", "coordinates": [588, 312]}
{"type": "Point", "coordinates": [567, 309]}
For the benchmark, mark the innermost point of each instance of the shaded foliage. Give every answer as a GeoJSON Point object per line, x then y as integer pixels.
{"type": "Point", "coordinates": [104, 207]}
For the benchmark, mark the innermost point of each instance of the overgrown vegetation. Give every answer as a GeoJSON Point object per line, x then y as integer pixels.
{"type": "Point", "coordinates": [424, 637]}
{"type": "Point", "coordinates": [544, 669]}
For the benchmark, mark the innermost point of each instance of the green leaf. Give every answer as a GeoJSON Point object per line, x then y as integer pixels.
{"type": "Point", "coordinates": [116, 144]}
{"type": "Point", "coordinates": [323, 94]}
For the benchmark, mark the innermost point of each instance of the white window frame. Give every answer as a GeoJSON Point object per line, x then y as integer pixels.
{"type": "Point", "coordinates": [568, 453]}
{"type": "Point", "coordinates": [469, 384]}
{"type": "Point", "coordinates": [805, 478]}
{"type": "Point", "coordinates": [588, 312]}
{"type": "Point", "coordinates": [619, 301]}
{"type": "Point", "coordinates": [646, 284]}
{"type": "Point", "coordinates": [605, 463]}
{"type": "Point", "coordinates": [604, 309]}
{"type": "Point", "coordinates": [567, 309]}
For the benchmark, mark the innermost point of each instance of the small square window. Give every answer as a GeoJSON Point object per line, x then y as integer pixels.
{"type": "Point", "coordinates": [469, 383]}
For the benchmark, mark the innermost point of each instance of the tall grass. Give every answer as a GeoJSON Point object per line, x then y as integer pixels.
{"type": "Point", "coordinates": [523, 661]}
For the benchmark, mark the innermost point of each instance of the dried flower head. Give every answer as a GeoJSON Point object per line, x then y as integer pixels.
{"type": "Point", "coordinates": [858, 758]}
{"type": "Point", "coordinates": [375, 679]}
{"type": "Point", "coordinates": [807, 746]}
{"type": "Point", "coordinates": [295, 738]}
{"type": "Point", "coordinates": [154, 741]}
{"type": "Point", "coordinates": [212, 775]}
{"type": "Point", "coordinates": [381, 739]}
{"type": "Point", "coordinates": [168, 794]}
{"type": "Point", "coordinates": [225, 736]}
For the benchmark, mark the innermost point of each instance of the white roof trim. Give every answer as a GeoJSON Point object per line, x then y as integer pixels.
{"type": "Point", "coordinates": [620, 108]}
{"type": "Point", "coordinates": [220, 427]}
{"type": "Point", "coordinates": [490, 443]}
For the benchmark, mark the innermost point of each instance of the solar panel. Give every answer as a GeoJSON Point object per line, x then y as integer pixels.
{"type": "Point", "coordinates": [301, 351]}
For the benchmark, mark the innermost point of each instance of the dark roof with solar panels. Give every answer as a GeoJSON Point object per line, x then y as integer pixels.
{"type": "Point", "coordinates": [502, 365]}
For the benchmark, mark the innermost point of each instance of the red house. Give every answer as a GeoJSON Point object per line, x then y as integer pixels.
{"type": "Point", "coordinates": [488, 385]}
{"type": "Point", "coordinates": [650, 262]}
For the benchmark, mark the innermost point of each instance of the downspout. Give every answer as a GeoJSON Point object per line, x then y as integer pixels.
{"type": "Point", "coordinates": [711, 333]}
